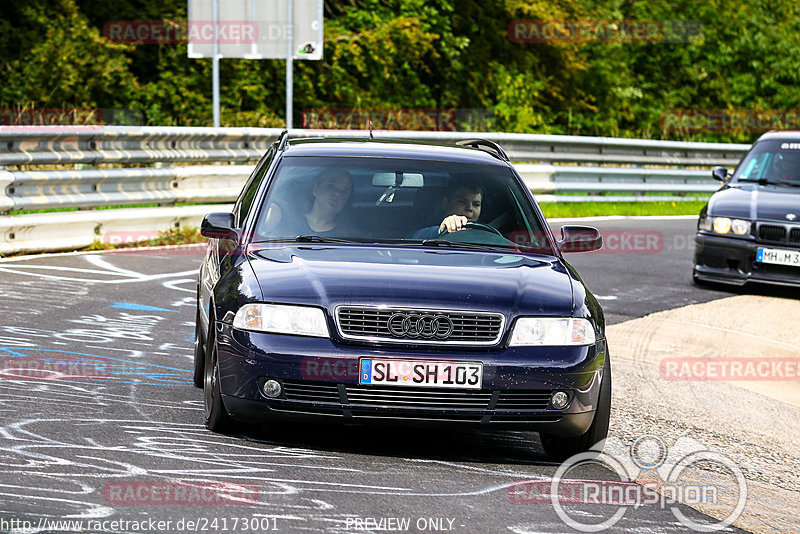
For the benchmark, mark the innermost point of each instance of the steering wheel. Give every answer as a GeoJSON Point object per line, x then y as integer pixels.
{"type": "Point", "coordinates": [478, 226]}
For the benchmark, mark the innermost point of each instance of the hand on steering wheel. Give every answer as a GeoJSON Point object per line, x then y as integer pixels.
{"type": "Point", "coordinates": [454, 223]}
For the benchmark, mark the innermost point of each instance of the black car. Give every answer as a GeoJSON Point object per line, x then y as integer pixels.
{"type": "Point", "coordinates": [372, 281]}
{"type": "Point", "coordinates": [750, 229]}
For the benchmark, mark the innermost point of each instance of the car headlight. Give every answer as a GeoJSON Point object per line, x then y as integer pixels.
{"type": "Point", "coordinates": [282, 319]}
{"type": "Point", "coordinates": [740, 227]}
{"type": "Point", "coordinates": [551, 331]}
{"type": "Point", "coordinates": [724, 225]}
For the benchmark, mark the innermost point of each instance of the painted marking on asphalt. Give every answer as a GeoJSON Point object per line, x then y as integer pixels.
{"type": "Point", "coordinates": [139, 307]}
{"type": "Point", "coordinates": [99, 261]}
{"type": "Point", "coordinates": [605, 297]}
{"type": "Point", "coordinates": [21, 270]}
{"type": "Point", "coordinates": [173, 284]}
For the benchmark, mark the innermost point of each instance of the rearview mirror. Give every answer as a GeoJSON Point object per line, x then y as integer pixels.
{"type": "Point", "coordinates": [720, 173]}
{"type": "Point", "coordinates": [397, 179]}
{"type": "Point", "coordinates": [219, 226]}
{"type": "Point", "coordinates": [580, 239]}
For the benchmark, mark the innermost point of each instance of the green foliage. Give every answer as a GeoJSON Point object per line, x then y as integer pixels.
{"type": "Point", "coordinates": [57, 60]}
{"type": "Point", "coordinates": [427, 54]}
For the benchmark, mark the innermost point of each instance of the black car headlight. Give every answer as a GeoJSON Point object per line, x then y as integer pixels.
{"type": "Point", "coordinates": [282, 319]}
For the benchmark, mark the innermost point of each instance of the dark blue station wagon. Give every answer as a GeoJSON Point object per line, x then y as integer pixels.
{"type": "Point", "coordinates": [405, 283]}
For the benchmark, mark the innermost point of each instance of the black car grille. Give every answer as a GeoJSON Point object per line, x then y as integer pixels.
{"type": "Point", "coordinates": [523, 400]}
{"type": "Point", "coordinates": [435, 404]}
{"type": "Point", "coordinates": [794, 235]}
{"type": "Point", "coordinates": [768, 232]}
{"type": "Point", "coordinates": [449, 326]}
{"type": "Point", "coordinates": [311, 392]}
{"type": "Point", "coordinates": [388, 397]}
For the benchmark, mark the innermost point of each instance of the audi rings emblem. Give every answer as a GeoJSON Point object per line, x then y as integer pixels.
{"type": "Point", "coordinates": [415, 325]}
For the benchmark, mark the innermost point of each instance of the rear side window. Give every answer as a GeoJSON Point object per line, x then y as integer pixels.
{"type": "Point", "coordinates": [245, 201]}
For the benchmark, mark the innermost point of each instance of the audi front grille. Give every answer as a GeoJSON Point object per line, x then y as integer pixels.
{"type": "Point", "coordinates": [419, 325]}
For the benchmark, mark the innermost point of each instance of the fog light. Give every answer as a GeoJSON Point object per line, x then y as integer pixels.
{"type": "Point", "coordinates": [271, 388]}
{"type": "Point", "coordinates": [559, 400]}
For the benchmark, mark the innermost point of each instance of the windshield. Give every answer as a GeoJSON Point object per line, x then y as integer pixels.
{"type": "Point", "coordinates": [399, 201]}
{"type": "Point", "coordinates": [775, 162]}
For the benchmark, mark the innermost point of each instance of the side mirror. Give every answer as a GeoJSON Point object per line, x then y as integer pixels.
{"type": "Point", "coordinates": [720, 173]}
{"type": "Point", "coordinates": [580, 239]}
{"type": "Point", "coordinates": [219, 226]}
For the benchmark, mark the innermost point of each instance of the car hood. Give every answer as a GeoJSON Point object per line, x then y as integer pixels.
{"type": "Point", "coordinates": [756, 202]}
{"type": "Point", "coordinates": [333, 275]}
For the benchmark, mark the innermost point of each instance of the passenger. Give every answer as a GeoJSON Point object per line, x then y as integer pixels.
{"type": "Point", "coordinates": [460, 204]}
{"type": "Point", "coordinates": [330, 195]}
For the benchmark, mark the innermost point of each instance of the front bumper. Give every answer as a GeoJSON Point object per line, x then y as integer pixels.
{"type": "Point", "coordinates": [730, 260]}
{"type": "Point", "coordinates": [320, 383]}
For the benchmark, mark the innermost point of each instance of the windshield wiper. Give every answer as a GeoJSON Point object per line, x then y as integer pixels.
{"type": "Point", "coordinates": [456, 244]}
{"type": "Point", "coordinates": [306, 239]}
{"type": "Point", "coordinates": [765, 181]}
{"type": "Point", "coordinates": [320, 239]}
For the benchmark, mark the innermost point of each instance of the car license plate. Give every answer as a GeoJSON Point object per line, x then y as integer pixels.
{"type": "Point", "coordinates": [421, 373]}
{"type": "Point", "coordinates": [778, 256]}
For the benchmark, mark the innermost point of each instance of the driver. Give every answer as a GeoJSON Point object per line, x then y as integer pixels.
{"type": "Point", "coordinates": [785, 167]}
{"type": "Point", "coordinates": [461, 204]}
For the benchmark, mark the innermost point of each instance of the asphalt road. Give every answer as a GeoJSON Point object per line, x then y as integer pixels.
{"type": "Point", "coordinates": [122, 440]}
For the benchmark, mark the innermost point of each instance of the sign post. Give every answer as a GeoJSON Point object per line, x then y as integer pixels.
{"type": "Point", "coordinates": [255, 29]}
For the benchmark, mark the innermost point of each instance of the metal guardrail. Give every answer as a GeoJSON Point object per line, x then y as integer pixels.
{"type": "Point", "coordinates": [33, 145]}
{"type": "Point", "coordinates": [28, 190]}
{"type": "Point", "coordinates": [615, 166]}
{"type": "Point", "coordinates": [58, 145]}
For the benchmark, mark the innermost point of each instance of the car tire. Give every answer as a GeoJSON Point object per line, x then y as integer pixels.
{"type": "Point", "coordinates": [217, 418]}
{"type": "Point", "coordinates": [199, 354]}
{"type": "Point", "coordinates": [560, 448]}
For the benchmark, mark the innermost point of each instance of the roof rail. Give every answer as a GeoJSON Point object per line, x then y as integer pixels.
{"type": "Point", "coordinates": [282, 140]}
{"type": "Point", "coordinates": [484, 144]}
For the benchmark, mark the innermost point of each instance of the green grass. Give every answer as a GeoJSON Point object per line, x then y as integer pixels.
{"type": "Point", "coordinates": [595, 209]}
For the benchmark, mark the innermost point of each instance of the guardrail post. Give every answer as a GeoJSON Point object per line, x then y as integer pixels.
{"type": "Point", "coordinates": [6, 202]}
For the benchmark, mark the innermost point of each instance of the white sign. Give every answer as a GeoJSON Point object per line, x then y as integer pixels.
{"type": "Point", "coordinates": [255, 29]}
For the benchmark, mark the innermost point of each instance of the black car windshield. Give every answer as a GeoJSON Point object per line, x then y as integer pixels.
{"type": "Point", "coordinates": [774, 162]}
{"type": "Point", "coordinates": [398, 201]}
